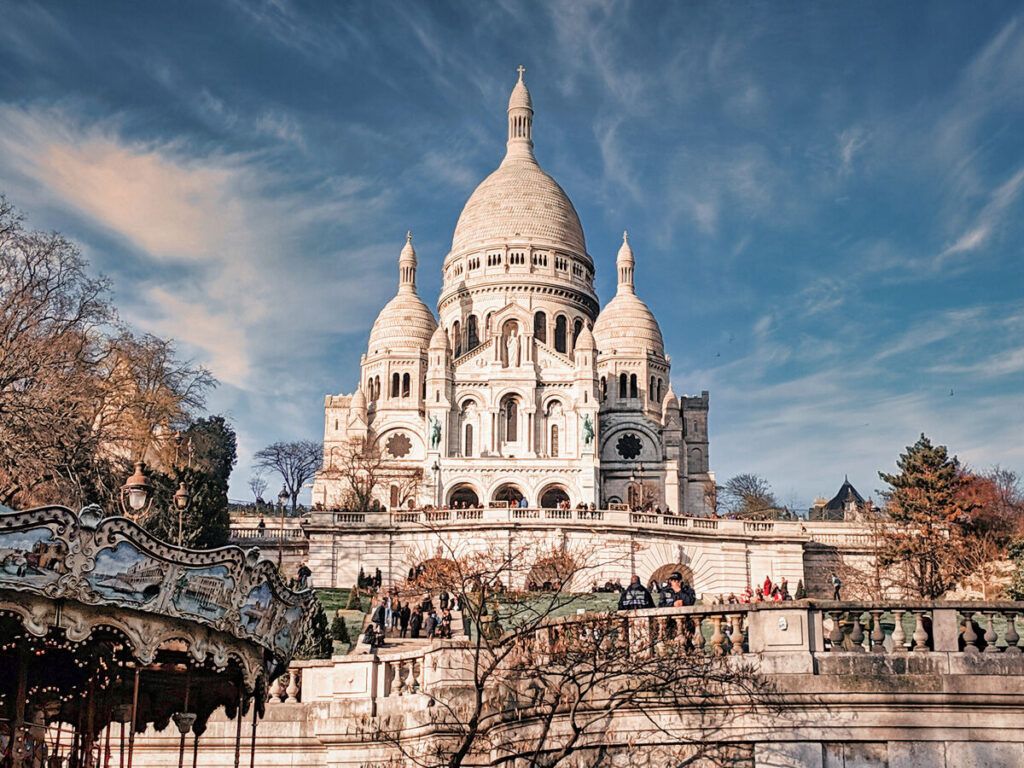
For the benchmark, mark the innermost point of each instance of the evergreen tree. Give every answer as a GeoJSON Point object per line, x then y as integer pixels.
{"type": "Point", "coordinates": [927, 513]}
{"type": "Point", "coordinates": [205, 472]}
{"type": "Point", "coordinates": [354, 603]}
{"type": "Point", "coordinates": [317, 643]}
{"type": "Point", "coordinates": [801, 591]}
{"type": "Point", "coordinates": [339, 631]}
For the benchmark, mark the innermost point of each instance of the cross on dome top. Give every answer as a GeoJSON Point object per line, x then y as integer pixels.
{"type": "Point", "coordinates": [520, 69]}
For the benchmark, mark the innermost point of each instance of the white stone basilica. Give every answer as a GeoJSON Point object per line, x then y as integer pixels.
{"type": "Point", "coordinates": [524, 389]}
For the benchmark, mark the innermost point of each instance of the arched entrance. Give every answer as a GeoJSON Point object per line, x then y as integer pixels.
{"type": "Point", "coordinates": [463, 496]}
{"type": "Point", "coordinates": [508, 493]}
{"type": "Point", "coordinates": [552, 496]}
{"type": "Point", "coordinates": [551, 572]}
{"type": "Point", "coordinates": [437, 573]}
{"type": "Point", "coordinates": [662, 573]}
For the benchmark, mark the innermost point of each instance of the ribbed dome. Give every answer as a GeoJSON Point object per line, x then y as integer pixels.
{"type": "Point", "coordinates": [626, 324]}
{"type": "Point", "coordinates": [518, 202]}
{"type": "Point", "coordinates": [405, 322]}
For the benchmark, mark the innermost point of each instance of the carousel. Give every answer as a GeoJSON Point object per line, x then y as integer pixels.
{"type": "Point", "coordinates": [106, 631]}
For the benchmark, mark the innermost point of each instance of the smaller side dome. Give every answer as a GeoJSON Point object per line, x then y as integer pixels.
{"type": "Point", "coordinates": [358, 403]}
{"type": "Point", "coordinates": [585, 340]}
{"type": "Point", "coordinates": [669, 406]}
{"type": "Point", "coordinates": [440, 338]}
{"type": "Point", "coordinates": [405, 322]}
{"type": "Point", "coordinates": [626, 325]}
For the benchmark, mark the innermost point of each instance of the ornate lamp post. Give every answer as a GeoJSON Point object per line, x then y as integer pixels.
{"type": "Point", "coordinates": [632, 485]}
{"type": "Point", "coordinates": [136, 494]}
{"type": "Point", "coordinates": [436, 469]}
{"type": "Point", "coordinates": [282, 498]}
{"type": "Point", "coordinates": [182, 498]}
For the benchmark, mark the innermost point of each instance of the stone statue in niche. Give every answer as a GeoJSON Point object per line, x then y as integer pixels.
{"type": "Point", "coordinates": [512, 348]}
{"type": "Point", "coordinates": [435, 432]}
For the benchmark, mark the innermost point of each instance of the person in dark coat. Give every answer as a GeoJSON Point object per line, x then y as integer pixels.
{"type": "Point", "coordinates": [430, 627]}
{"type": "Point", "coordinates": [403, 619]}
{"type": "Point", "coordinates": [677, 593]}
{"type": "Point", "coordinates": [635, 596]}
{"type": "Point", "coordinates": [378, 616]}
{"type": "Point", "coordinates": [443, 600]}
{"type": "Point", "coordinates": [415, 621]}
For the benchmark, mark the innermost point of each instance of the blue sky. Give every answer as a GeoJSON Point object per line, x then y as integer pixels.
{"type": "Point", "coordinates": [825, 200]}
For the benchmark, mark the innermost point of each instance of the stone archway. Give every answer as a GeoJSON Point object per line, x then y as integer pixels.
{"type": "Point", "coordinates": [552, 572]}
{"type": "Point", "coordinates": [662, 573]}
{"type": "Point", "coordinates": [463, 495]}
{"type": "Point", "coordinates": [436, 574]}
{"type": "Point", "coordinates": [552, 496]}
{"type": "Point", "coordinates": [510, 493]}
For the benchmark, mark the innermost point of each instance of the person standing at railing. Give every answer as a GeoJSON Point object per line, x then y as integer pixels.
{"type": "Point", "coordinates": [403, 620]}
{"type": "Point", "coordinates": [261, 527]}
{"type": "Point", "coordinates": [837, 585]}
{"type": "Point", "coordinates": [678, 593]}
{"type": "Point", "coordinates": [415, 622]}
{"type": "Point", "coordinates": [635, 596]}
{"type": "Point", "coordinates": [302, 576]}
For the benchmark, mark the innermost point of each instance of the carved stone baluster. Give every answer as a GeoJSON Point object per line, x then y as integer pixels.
{"type": "Point", "coordinates": [276, 691]}
{"type": "Point", "coordinates": [835, 637]}
{"type": "Point", "coordinates": [920, 634]}
{"type": "Point", "coordinates": [412, 684]}
{"type": "Point", "coordinates": [736, 620]}
{"type": "Point", "coordinates": [1012, 638]}
{"type": "Point", "coordinates": [990, 634]}
{"type": "Point", "coordinates": [717, 638]}
{"type": "Point", "coordinates": [857, 633]}
{"type": "Point", "coordinates": [969, 635]}
{"type": "Point", "coordinates": [698, 634]}
{"type": "Point", "coordinates": [877, 633]}
{"type": "Point", "coordinates": [293, 686]}
{"type": "Point", "coordinates": [398, 681]}
{"type": "Point", "coordinates": [899, 637]}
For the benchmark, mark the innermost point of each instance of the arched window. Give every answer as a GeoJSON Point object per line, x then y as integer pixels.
{"type": "Point", "coordinates": [472, 336]}
{"type": "Point", "coordinates": [633, 392]}
{"type": "Point", "coordinates": [623, 383]}
{"type": "Point", "coordinates": [553, 452]}
{"type": "Point", "coordinates": [659, 390]}
{"type": "Point", "coordinates": [468, 449]}
{"type": "Point", "coordinates": [560, 332]}
{"type": "Point", "coordinates": [457, 339]}
{"type": "Point", "coordinates": [510, 418]}
{"type": "Point", "coordinates": [540, 327]}
{"type": "Point", "coordinates": [406, 385]}
{"type": "Point", "coordinates": [488, 325]}
{"type": "Point", "coordinates": [604, 388]}
{"type": "Point", "coordinates": [394, 496]}
{"type": "Point", "coordinates": [376, 387]}
{"type": "Point", "coordinates": [395, 383]}
{"type": "Point", "coordinates": [650, 390]}
{"type": "Point", "coordinates": [577, 328]}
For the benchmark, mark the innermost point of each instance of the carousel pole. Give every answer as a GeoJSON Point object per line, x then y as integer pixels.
{"type": "Point", "coordinates": [18, 737]}
{"type": "Point", "coordinates": [195, 747]}
{"type": "Point", "coordinates": [135, 710]}
{"type": "Point", "coordinates": [90, 723]}
{"type": "Point", "coordinates": [181, 742]}
{"type": "Point", "coordinates": [252, 741]}
{"type": "Point", "coordinates": [238, 729]}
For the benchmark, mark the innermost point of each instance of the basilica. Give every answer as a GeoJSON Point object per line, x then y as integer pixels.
{"type": "Point", "coordinates": [522, 391]}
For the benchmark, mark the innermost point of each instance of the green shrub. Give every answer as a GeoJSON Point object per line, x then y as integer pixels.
{"type": "Point", "coordinates": [801, 591]}
{"type": "Point", "coordinates": [339, 631]}
{"type": "Point", "coordinates": [354, 603]}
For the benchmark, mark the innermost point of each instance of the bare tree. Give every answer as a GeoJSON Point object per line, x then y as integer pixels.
{"type": "Point", "coordinates": [80, 395]}
{"type": "Point", "coordinates": [747, 494]}
{"type": "Point", "coordinates": [258, 485]}
{"type": "Point", "coordinates": [567, 677]}
{"type": "Point", "coordinates": [296, 463]}
{"type": "Point", "coordinates": [366, 471]}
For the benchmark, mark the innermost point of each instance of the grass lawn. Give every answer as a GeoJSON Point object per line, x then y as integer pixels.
{"type": "Point", "coordinates": [334, 601]}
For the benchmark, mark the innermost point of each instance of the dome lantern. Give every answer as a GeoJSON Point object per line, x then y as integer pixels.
{"type": "Point", "coordinates": [520, 119]}
{"type": "Point", "coordinates": [407, 266]}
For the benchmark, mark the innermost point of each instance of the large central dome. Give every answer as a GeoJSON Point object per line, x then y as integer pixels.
{"type": "Point", "coordinates": [518, 202]}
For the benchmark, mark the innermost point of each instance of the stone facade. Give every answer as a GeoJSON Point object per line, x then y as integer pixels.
{"type": "Point", "coordinates": [524, 388]}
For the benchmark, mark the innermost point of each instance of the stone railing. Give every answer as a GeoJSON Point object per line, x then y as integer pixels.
{"type": "Point", "coordinates": [826, 533]}
{"type": "Point", "coordinates": [270, 533]}
{"type": "Point", "coordinates": [804, 637]}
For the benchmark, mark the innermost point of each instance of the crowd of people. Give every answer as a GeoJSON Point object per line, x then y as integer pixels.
{"type": "Point", "coordinates": [390, 617]}
{"type": "Point", "coordinates": [673, 593]}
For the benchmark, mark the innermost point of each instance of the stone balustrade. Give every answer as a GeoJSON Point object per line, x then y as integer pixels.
{"type": "Point", "coordinates": [789, 636]}
{"type": "Point", "coordinates": [826, 533]}
{"type": "Point", "coordinates": [270, 533]}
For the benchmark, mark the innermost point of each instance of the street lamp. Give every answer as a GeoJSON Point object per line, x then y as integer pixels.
{"type": "Point", "coordinates": [282, 498]}
{"type": "Point", "coordinates": [136, 496]}
{"type": "Point", "coordinates": [181, 502]}
{"type": "Point", "coordinates": [436, 469]}
{"type": "Point", "coordinates": [632, 485]}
